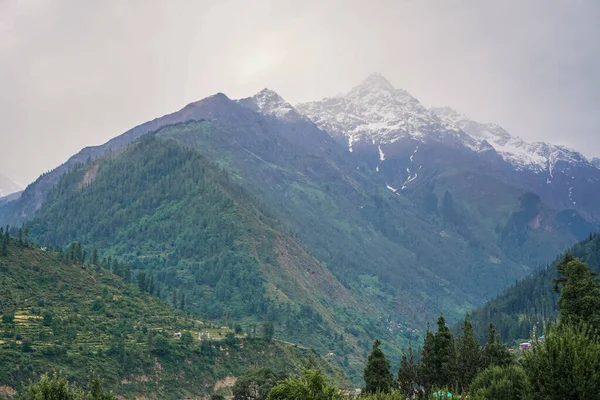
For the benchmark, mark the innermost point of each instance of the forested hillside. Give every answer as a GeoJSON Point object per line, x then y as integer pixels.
{"type": "Point", "coordinates": [209, 246]}
{"type": "Point", "coordinates": [59, 313]}
{"type": "Point", "coordinates": [532, 302]}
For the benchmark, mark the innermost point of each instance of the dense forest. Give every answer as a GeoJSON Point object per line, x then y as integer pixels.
{"type": "Point", "coordinates": [532, 303]}
{"type": "Point", "coordinates": [63, 313]}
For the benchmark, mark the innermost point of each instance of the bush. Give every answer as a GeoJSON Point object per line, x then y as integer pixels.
{"type": "Point", "coordinates": [499, 383]}
{"type": "Point", "coordinates": [566, 365]}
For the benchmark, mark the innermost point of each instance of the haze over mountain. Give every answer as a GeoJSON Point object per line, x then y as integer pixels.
{"type": "Point", "coordinates": [7, 186]}
{"type": "Point", "coordinates": [539, 79]}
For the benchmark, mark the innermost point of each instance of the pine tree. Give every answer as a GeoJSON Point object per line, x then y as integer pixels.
{"type": "Point", "coordinates": [446, 355]}
{"type": "Point", "coordinates": [468, 355]}
{"type": "Point", "coordinates": [494, 353]}
{"type": "Point", "coordinates": [407, 373]}
{"type": "Point", "coordinates": [579, 293]}
{"type": "Point", "coordinates": [427, 369]}
{"type": "Point", "coordinates": [378, 375]}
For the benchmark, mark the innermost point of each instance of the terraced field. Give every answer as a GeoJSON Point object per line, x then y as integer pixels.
{"type": "Point", "coordinates": [85, 321]}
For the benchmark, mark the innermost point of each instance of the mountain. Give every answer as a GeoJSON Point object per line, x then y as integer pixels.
{"type": "Point", "coordinates": [531, 303]}
{"type": "Point", "coordinates": [422, 153]}
{"type": "Point", "coordinates": [375, 113]}
{"type": "Point", "coordinates": [564, 178]}
{"type": "Point", "coordinates": [60, 314]}
{"type": "Point", "coordinates": [257, 210]}
{"type": "Point", "coordinates": [171, 213]}
{"type": "Point", "coordinates": [8, 186]}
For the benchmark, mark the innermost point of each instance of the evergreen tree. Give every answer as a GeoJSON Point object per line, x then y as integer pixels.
{"type": "Point", "coordinates": [377, 374]}
{"type": "Point", "coordinates": [445, 353]}
{"type": "Point", "coordinates": [494, 352]}
{"type": "Point", "coordinates": [427, 369]}
{"type": "Point", "coordinates": [468, 353]}
{"type": "Point", "coordinates": [579, 293]}
{"type": "Point", "coordinates": [407, 373]}
{"type": "Point", "coordinates": [566, 365]}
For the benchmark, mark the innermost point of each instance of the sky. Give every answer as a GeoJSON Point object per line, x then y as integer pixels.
{"type": "Point", "coordinates": [77, 73]}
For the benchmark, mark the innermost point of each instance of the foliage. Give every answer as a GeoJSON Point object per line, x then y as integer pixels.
{"type": "Point", "coordinates": [468, 355]}
{"type": "Point", "coordinates": [494, 352]}
{"type": "Point", "coordinates": [57, 388]}
{"type": "Point", "coordinates": [256, 385]}
{"type": "Point", "coordinates": [408, 373]}
{"type": "Point", "coordinates": [532, 303]}
{"type": "Point", "coordinates": [439, 357]}
{"type": "Point", "coordinates": [501, 383]}
{"type": "Point", "coordinates": [177, 225]}
{"type": "Point", "coordinates": [53, 323]}
{"type": "Point", "coordinates": [579, 290]}
{"type": "Point", "coordinates": [310, 385]}
{"type": "Point", "coordinates": [378, 375]}
{"type": "Point", "coordinates": [566, 365]}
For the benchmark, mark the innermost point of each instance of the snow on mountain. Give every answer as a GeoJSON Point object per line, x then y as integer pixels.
{"type": "Point", "coordinates": [7, 186]}
{"type": "Point", "coordinates": [596, 162]}
{"type": "Point", "coordinates": [376, 112]}
{"type": "Point", "coordinates": [537, 156]}
{"type": "Point", "coordinates": [268, 102]}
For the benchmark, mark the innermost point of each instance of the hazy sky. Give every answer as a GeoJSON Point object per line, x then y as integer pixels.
{"type": "Point", "coordinates": [76, 73]}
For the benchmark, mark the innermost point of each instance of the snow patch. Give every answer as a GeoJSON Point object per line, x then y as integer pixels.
{"type": "Point", "coordinates": [381, 154]}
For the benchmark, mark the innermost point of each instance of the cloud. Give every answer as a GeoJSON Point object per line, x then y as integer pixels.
{"type": "Point", "coordinates": [78, 73]}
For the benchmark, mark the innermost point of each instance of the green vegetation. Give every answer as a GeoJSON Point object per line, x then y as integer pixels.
{"type": "Point", "coordinates": [532, 303]}
{"type": "Point", "coordinates": [310, 385]}
{"type": "Point", "coordinates": [57, 388]}
{"type": "Point", "coordinates": [198, 241]}
{"type": "Point", "coordinates": [565, 365]}
{"type": "Point", "coordinates": [59, 314]}
{"type": "Point", "coordinates": [378, 375]}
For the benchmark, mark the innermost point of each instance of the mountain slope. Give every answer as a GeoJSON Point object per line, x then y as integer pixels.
{"type": "Point", "coordinates": [80, 318]}
{"type": "Point", "coordinates": [531, 302]}
{"type": "Point", "coordinates": [375, 117]}
{"type": "Point", "coordinates": [172, 214]}
{"type": "Point", "coordinates": [430, 156]}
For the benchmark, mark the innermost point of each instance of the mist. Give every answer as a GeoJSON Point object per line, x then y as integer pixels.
{"type": "Point", "coordinates": [75, 74]}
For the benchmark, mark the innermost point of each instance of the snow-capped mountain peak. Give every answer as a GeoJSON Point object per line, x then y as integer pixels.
{"type": "Point", "coordinates": [374, 83]}
{"type": "Point", "coordinates": [538, 156]}
{"type": "Point", "coordinates": [373, 111]}
{"type": "Point", "coordinates": [268, 102]}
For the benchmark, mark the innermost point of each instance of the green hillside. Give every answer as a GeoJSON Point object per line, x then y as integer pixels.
{"type": "Point", "coordinates": [532, 302]}
{"type": "Point", "coordinates": [84, 320]}
{"type": "Point", "coordinates": [180, 220]}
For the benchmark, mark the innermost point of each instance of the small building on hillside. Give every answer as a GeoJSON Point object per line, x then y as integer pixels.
{"type": "Point", "coordinates": [525, 346]}
{"type": "Point", "coordinates": [177, 335]}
